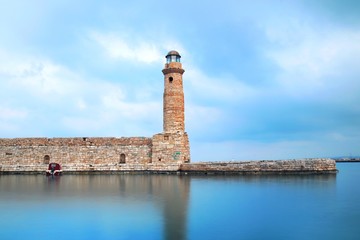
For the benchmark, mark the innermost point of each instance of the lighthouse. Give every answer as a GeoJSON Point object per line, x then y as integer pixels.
{"type": "Point", "coordinates": [172, 145]}
{"type": "Point", "coordinates": [174, 120]}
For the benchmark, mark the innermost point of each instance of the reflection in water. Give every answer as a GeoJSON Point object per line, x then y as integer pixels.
{"type": "Point", "coordinates": [168, 193]}
{"type": "Point", "coordinates": [113, 204]}
{"type": "Point", "coordinates": [171, 194]}
{"type": "Point", "coordinates": [271, 178]}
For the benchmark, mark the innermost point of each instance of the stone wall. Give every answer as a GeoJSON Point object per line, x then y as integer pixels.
{"type": "Point", "coordinates": [103, 155]}
{"type": "Point", "coordinates": [76, 154]}
{"type": "Point", "coordinates": [170, 148]}
{"type": "Point", "coordinates": [284, 166]}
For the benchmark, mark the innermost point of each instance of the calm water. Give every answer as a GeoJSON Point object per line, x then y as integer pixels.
{"type": "Point", "coordinates": [175, 207]}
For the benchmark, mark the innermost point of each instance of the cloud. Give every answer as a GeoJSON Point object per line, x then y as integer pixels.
{"type": "Point", "coordinates": [135, 48]}
{"type": "Point", "coordinates": [261, 78]}
{"type": "Point", "coordinates": [319, 55]}
{"type": "Point", "coordinates": [223, 89]}
{"type": "Point", "coordinates": [200, 120]}
{"type": "Point", "coordinates": [319, 72]}
{"type": "Point", "coordinates": [310, 101]}
{"type": "Point", "coordinates": [38, 77]}
{"type": "Point", "coordinates": [11, 118]}
{"type": "Point", "coordinates": [113, 101]}
{"type": "Point", "coordinates": [59, 101]}
{"type": "Point", "coordinates": [81, 124]}
{"type": "Point", "coordinates": [81, 104]}
{"type": "Point", "coordinates": [9, 113]}
{"type": "Point", "coordinates": [344, 12]}
{"type": "Point", "coordinates": [117, 47]}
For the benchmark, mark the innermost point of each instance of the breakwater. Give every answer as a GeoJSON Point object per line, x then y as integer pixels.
{"type": "Point", "coordinates": [318, 165]}
{"type": "Point", "coordinates": [311, 166]}
{"type": "Point", "coordinates": [349, 160]}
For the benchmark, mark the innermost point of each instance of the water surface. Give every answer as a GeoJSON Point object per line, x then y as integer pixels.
{"type": "Point", "coordinates": [181, 207]}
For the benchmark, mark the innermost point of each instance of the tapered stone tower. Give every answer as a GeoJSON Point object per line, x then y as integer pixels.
{"type": "Point", "coordinates": [174, 120]}
{"type": "Point", "coordinates": [172, 146]}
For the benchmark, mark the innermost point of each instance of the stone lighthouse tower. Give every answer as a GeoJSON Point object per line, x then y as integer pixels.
{"type": "Point", "coordinates": [174, 120]}
{"type": "Point", "coordinates": [172, 145]}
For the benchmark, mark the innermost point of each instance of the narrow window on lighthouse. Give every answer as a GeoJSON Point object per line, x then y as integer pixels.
{"type": "Point", "coordinates": [171, 79]}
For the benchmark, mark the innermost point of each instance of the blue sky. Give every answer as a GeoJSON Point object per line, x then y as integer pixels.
{"type": "Point", "coordinates": [264, 79]}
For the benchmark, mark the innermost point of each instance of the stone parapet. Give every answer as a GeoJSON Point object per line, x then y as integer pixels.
{"type": "Point", "coordinates": [79, 141]}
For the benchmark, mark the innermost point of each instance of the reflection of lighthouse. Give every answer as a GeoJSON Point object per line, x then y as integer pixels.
{"type": "Point", "coordinates": [169, 192]}
{"type": "Point", "coordinates": [175, 194]}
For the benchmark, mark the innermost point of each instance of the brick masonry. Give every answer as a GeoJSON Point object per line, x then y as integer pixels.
{"type": "Point", "coordinates": [170, 148]}
{"type": "Point", "coordinates": [174, 119]}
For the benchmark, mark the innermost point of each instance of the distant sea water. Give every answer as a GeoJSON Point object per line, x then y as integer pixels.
{"type": "Point", "coordinates": [181, 207]}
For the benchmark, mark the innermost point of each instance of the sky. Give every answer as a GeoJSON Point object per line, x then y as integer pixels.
{"type": "Point", "coordinates": [264, 79]}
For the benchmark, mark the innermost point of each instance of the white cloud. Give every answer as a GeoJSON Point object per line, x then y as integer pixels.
{"type": "Point", "coordinates": [201, 118]}
{"type": "Point", "coordinates": [39, 87]}
{"type": "Point", "coordinates": [221, 89]}
{"type": "Point", "coordinates": [81, 104]}
{"type": "Point", "coordinates": [131, 110]}
{"type": "Point", "coordinates": [8, 127]}
{"type": "Point", "coordinates": [38, 77]}
{"type": "Point", "coordinates": [316, 58]}
{"type": "Point", "coordinates": [117, 47]}
{"type": "Point", "coordinates": [10, 118]}
{"type": "Point", "coordinates": [317, 55]}
{"type": "Point", "coordinates": [81, 124]}
{"type": "Point", "coordinates": [11, 114]}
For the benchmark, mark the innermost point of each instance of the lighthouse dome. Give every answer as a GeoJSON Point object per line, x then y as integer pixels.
{"type": "Point", "coordinates": [173, 56]}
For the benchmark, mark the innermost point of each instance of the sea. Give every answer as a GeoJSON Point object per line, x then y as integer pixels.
{"type": "Point", "coordinates": [325, 206]}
